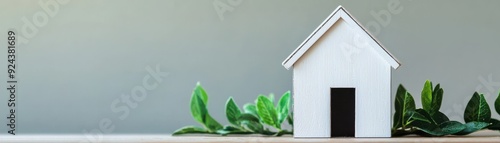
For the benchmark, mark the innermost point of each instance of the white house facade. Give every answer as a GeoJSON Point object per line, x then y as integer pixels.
{"type": "Point", "coordinates": [341, 81]}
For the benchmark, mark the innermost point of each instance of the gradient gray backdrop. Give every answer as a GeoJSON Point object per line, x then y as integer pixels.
{"type": "Point", "coordinates": [91, 52]}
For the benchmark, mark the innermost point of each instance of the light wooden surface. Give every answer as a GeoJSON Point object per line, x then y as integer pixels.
{"type": "Point", "coordinates": [482, 136]}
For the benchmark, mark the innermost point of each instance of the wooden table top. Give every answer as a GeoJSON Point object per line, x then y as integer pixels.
{"type": "Point", "coordinates": [481, 136]}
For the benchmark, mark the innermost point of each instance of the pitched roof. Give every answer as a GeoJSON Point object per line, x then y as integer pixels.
{"type": "Point", "coordinates": [337, 14]}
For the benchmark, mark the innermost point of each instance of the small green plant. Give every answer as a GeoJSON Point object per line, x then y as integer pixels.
{"type": "Point", "coordinates": [254, 119]}
{"type": "Point", "coordinates": [429, 121]}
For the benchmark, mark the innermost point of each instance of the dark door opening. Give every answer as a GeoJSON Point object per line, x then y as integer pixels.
{"type": "Point", "coordinates": [342, 105]}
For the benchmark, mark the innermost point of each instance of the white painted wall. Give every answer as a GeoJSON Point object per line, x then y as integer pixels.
{"type": "Point", "coordinates": [328, 64]}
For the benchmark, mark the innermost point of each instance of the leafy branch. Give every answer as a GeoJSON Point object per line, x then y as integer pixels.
{"type": "Point", "coordinates": [254, 119]}
{"type": "Point", "coordinates": [429, 121]}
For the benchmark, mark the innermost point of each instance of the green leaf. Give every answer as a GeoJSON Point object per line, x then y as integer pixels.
{"type": "Point", "coordinates": [446, 128]}
{"type": "Point", "coordinates": [451, 127]}
{"type": "Point", "coordinates": [431, 98]}
{"type": "Point", "coordinates": [473, 126]}
{"type": "Point", "coordinates": [266, 111]}
{"type": "Point", "coordinates": [257, 100]}
{"type": "Point", "coordinates": [201, 92]}
{"type": "Point", "coordinates": [436, 119]}
{"type": "Point", "coordinates": [290, 118]}
{"type": "Point", "coordinates": [437, 98]}
{"type": "Point", "coordinates": [430, 124]}
{"type": "Point", "coordinates": [248, 117]}
{"type": "Point", "coordinates": [426, 115]}
{"type": "Point", "coordinates": [400, 133]}
{"type": "Point", "coordinates": [422, 121]}
{"type": "Point", "coordinates": [495, 124]}
{"type": "Point", "coordinates": [497, 104]}
{"type": "Point", "coordinates": [426, 96]}
{"type": "Point", "coordinates": [439, 117]}
{"type": "Point", "coordinates": [198, 108]}
{"type": "Point", "coordinates": [477, 109]}
{"type": "Point", "coordinates": [223, 132]}
{"type": "Point", "coordinates": [435, 90]}
{"type": "Point", "coordinates": [427, 127]}
{"type": "Point", "coordinates": [255, 127]}
{"type": "Point", "coordinates": [231, 130]}
{"type": "Point", "coordinates": [200, 112]}
{"type": "Point", "coordinates": [423, 117]}
{"type": "Point", "coordinates": [212, 124]}
{"type": "Point", "coordinates": [189, 129]}
{"type": "Point", "coordinates": [251, 122]}
{"type": "Point", "coordinates": [279, 134]}
{"type": "Point", "coordinates": [404, 105]}
{"type": "Point", "coordinates": [250, 108]}
{"type": "Point", "coordinates": [232, 112]}
{"type": "Point", "coordinates": [283, 107]}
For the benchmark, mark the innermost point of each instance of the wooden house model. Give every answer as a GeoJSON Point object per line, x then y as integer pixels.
{"type": "Point", "coordinates": [341, 81]}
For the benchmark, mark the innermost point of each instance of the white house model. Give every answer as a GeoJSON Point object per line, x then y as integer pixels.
{"type": "Point", "coordinates": [341, 81]}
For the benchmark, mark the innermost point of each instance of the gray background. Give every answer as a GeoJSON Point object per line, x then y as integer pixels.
{"type": "Point", "coordinates": [91, 52]}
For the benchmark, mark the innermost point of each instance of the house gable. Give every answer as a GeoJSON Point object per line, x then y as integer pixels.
{"type": "Point", "coordinates": [335, 16]}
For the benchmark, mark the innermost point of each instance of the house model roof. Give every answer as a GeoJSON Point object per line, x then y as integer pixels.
{"type": "Point", "coordinates": [337, 14]}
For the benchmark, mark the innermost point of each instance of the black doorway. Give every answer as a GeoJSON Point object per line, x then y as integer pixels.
{"type": "Point", "coordinates": [342, 105]}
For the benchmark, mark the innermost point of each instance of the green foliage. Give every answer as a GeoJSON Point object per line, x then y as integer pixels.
{"type": "Point", "coordinates": [190, 129]}
{"type": "Point", "coordinates": [439, 117]}
{"type": "Point", "coordinates": [445, 128]}
{"type": "Point", "coordinates": [497, 104]}
{"type": "Point", "coordinates": [429, 121]}
{"type": "Point", "coordinates": [232, 112]}
{"type": "Point", "coordinates": [494, 124]}
{"type": "Point", "coordinates": [256, 118]}
{"type": "Point", "coordinates": [199, 110]}
{"type": "Point", "coordinates": [283, 107]}
{"type": "Point", "coordinates": [426, 96]}
{"type": "Point", "coordinates": [251, 109]}
{"type": "Point", "coordinates": [405, 105]}
{"type": "Point", "coordinates": [471, 127]}
{"type": "Point", "coordinates": [477, 109]}
{"type": "Point", "coordinates": [431, 98]}
{"type": "Point", "coordinates": [266, 111]}
{"type": "Point", "coordinates": [290, 119]}
{"type": "Point", "coordinates": [250, 120]}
